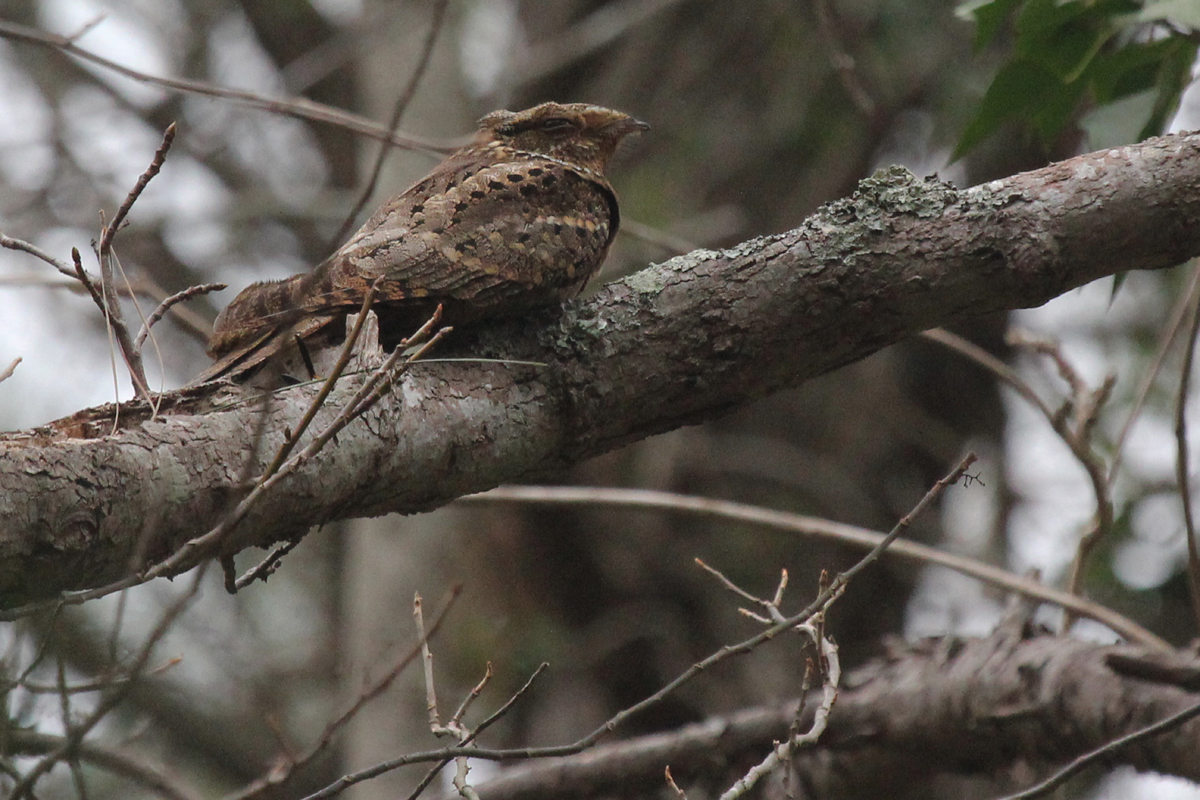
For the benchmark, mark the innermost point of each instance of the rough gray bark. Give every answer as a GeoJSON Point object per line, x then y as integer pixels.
{"type": "Point", "coordinates": [671, 345]}
{"type": "Point", "coordinates": [967, 707]}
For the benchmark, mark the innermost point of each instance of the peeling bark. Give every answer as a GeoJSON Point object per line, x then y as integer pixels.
{"type": "Point", "coordinates": [672, 345]}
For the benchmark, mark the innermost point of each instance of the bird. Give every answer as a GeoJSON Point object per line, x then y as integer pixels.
{"type": "Point", "coordinates": [522, 217]}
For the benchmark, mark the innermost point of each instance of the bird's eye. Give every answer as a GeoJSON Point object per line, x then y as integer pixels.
{"type": "Point", "coordinates": [556, 124]}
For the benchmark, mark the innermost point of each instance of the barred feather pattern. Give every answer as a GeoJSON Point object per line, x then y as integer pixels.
{"type": "Point", "coordinates": [522, 218]}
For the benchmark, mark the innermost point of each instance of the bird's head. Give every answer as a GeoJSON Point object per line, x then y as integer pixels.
{"type": "Point", "coordinates": [577, 133]}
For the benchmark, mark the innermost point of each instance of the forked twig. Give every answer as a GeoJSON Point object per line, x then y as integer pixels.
{"type": "Point", "coordinates": [836, 587]}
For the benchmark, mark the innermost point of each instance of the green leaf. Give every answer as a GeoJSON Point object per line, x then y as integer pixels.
{"type": "Point", "coordinates": [989, 15]}
{"type": "Point", "coordinates": [1118, 282]}
{"type": "Point", "coordinates": [1018, 90]}
{"type": "Point", "coordinates": [1175, 74]}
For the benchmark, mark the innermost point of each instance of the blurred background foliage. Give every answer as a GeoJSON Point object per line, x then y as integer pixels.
{"type": "Point", "coordinates": [761, 111]}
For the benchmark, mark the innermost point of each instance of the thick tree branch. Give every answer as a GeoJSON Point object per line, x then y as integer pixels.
{"type": "Point", "coordinates": [672, 345]}
{"type": "Point", "coordinates": [972, 707]}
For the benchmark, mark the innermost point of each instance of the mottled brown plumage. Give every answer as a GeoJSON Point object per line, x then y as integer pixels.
{"type": "Point", "coordinates": [522, 217]}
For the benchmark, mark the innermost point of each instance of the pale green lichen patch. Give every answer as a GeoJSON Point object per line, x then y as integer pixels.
{"type": "Point", "coordinates": [647, 281]}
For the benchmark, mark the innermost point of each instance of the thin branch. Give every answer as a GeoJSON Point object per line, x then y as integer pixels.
{"type": "Point", "coordinates": [414, 80]}
{"type": "Point", "coordinates": [836, 587]}
{"type": "Point", "coordinates": [35, 251]}
{"type": "Point", "coordinates": [26, 742]}
{"type": "Point", "coordinates": [815, 526]}
{"type": "Point", "coordinates": [74, 739]}
{"type": "Point", "coordinates": [300, 108]}
{"type": "Point", "coordinates": [1102, 754]}
{"type": "Point", "coordinates": [267, 566]}
{"type": "Point", "coordinates": [165, 306]}
{"type": "Point", "coordinates": [989, 362]}
{"type": "Point", "coordinates": [843, 62]}
{"type": "Point", "coordinates": [156, 164]}
{"type": "Point", "coordinates": [274, 779]}
{"type": "Point", "coordinates": [1074, 423]}
{"type": "Point", "coordinates": [487, 723]}
{"type": "Point", "coordinates": [1170, 332]}
{"type": "Point", "coordinates": [293, 437]}
{"type": "Point", "coordinates": [1182, 473]}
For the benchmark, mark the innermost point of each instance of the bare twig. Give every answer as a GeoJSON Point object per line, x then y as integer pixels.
{"type": "Point", "coordinates": [815, 526]}
{"type": "Point", "coordinates": [1074, 423]}
{"type": "Point", "coordinates": [1170, 332]}
{"type": "Point", "coordinates": [26, 247]}
{"type": "Point", "coordinates": [74, 737]}
{"type": "Point", "coordinates": [26, 742]}
{"type": "Point", "coordinates": [160, 158]}
{"type": "Point", "coordinates": [414, 80]}
{"type": "Point", "coordinates": [267, 566]}
{"type": "Point", "coordinates": [782, 753]}
{"type": "Point", "coordinates": [836, 587]}
{"type": "Point", "coordinates": [300, 108]}
{"type": "Point", "coordinates": [1182, 474]}
{"type": "Point", "coordinates": [487, 723]}
{"type": "Point", "coordinates": [1102, 754]}
{"type": "Point", "coordinates": [989, 362]}
{"type": "Point", "coordinates": [331, 380]}
{"type": "Point", "coordinates": [843, 62]}
{"type": "Point", "coordinates": [276, 778]}
{"type": "Point", "coordinates": [165, 306]}
{"type": "Point", "coordinates": [112, 306]}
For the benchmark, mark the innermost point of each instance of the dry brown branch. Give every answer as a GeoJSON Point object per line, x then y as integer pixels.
{"type": "Point", "coordinates": [27, 742]}
{"type": "Point", "coordinates": [817, 607]}
{"type": "Point", "coordinates": [1187, 302]}
{"type": "Point", "coordinates": [168, 303]}
{"type": "Point", "coordinates": [299, 108]}
{"type": "Point", "coordinates": [1047, 698]}
{"type": "Point", "coordinates": [402, 103]}
{"type": "Point", "coordinates": [1182, 473]}
{"type": "Point", "coordinates": [1106, 753]}
{"type": "Point", "coordinates": [277, 778]}
{"type": "Point", "coordinates": [835, 531]}
{"type": "Point", "coordinates": [1074, 423]}
{"type": "Point", "coordinates": [75, 735]}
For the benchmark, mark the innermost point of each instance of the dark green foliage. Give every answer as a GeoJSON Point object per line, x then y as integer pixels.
{"type": "Point", "coordinates": [1069, 56]}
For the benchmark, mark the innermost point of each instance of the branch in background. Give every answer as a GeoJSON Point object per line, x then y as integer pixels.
{"type": "Point", "coordinates": [300, 108]}
{"type": "Point", "coordinates": [777, 625]}
{"type": "Point", "coordinates": [955, 700]}
{"type": "Point", "coordinates": [1182, 474]}
{"type": "Point", "coordinates": [406, 96]}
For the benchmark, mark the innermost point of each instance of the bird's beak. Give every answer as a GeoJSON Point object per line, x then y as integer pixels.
{"type": "Point", "coordinates": [626, 125]}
